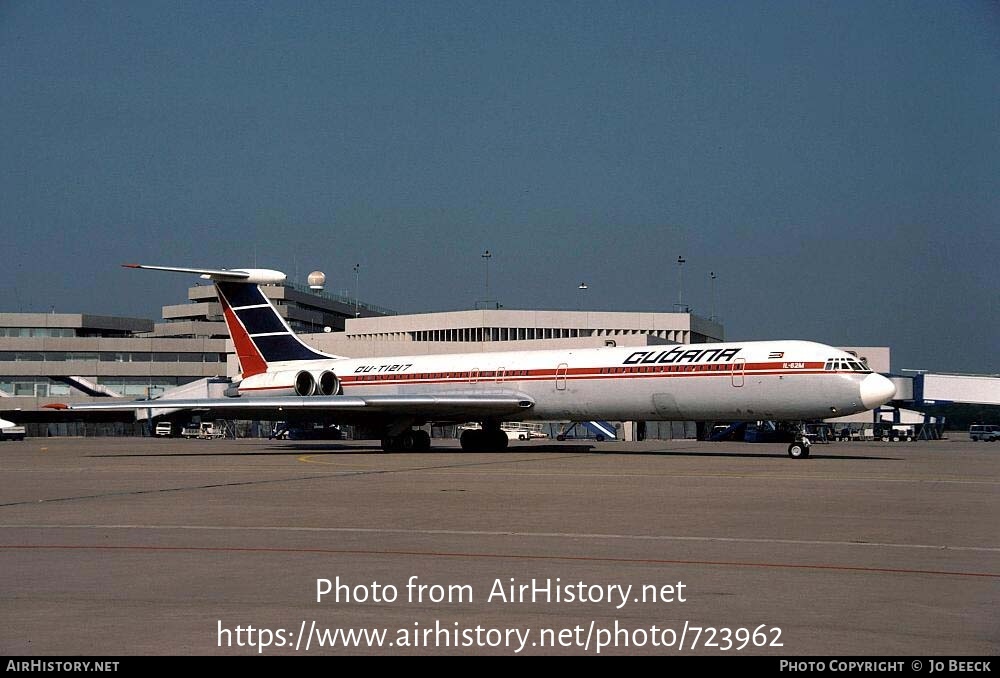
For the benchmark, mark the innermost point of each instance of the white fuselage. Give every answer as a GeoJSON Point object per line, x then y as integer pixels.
{"type": "Point", "coordinates": [779, 380]}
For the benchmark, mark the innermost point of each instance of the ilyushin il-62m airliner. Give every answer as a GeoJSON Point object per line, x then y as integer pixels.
{"type": "Point", "coordinates": [284, 378]}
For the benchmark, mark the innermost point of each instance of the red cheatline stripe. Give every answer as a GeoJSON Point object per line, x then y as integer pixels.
{"type": "Point", "coordinates": [511, 556]}
{"type": "Point", "coordinates": [543, 375]}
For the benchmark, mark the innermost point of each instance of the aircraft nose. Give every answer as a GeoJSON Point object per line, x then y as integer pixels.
{"type": "Point", "coordinates": [876, 390]}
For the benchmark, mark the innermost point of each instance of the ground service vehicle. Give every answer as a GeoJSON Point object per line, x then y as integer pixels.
{"type": "Point", "coordinates": [11, 431]}
{"type": "Point", "coordinates": [204, 430]}
{"type": "Point", "coordinates": [986, 432]}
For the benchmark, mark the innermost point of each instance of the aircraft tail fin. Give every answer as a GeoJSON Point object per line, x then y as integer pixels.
{"type": "Point", "coordinates": [260, 335]}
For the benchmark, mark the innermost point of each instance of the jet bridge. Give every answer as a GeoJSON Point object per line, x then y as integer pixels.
{"type": "Point", "coordinates": [941, 389]}
{"type": "Point", "coordinates": [934, 391]}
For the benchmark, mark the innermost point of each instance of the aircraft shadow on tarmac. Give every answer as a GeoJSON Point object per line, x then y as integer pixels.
{"type": "Point", "coordinates": [751, 455]}
{"type": "Point", "coordinates": [562, 448]}
{"type": "Point", "coordinates": [374, 449]}
{"type": "Point", "coordinates": [297, 449]}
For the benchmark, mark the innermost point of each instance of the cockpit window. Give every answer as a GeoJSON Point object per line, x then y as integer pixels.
{"type": "Point", "coordinates": [843, 364]}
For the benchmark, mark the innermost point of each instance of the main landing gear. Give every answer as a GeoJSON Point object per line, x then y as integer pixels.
{"type": "Point", "coordinates": [490, 438]}
{"type": "Point", "coordinates": [407, 441]}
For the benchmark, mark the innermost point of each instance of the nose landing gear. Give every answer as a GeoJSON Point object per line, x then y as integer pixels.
{"type": "Point", "coordinates": [799, 449]}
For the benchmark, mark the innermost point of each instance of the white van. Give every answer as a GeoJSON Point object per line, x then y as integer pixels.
{"type": "Point", "coordinates": [988, 432]}
{"type": "Point", "coordinates": [11, 431]}
{"type": "Point", "coordinates": [163, 429]}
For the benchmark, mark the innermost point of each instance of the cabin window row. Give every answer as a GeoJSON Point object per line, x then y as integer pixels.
{"type": "Point", "coordinates": [715, 367]}
{"type": "Point", "coordinates": [487, 374]}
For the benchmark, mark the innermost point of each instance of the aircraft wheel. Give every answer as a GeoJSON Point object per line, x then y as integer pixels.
{"type": "Point", "coordinates": [471, 440]}
{"type": "Point", "coordinates": [489, 441]}
{"type": "Point", "coordinates": [798, 451]}
{"type": "Point", "coordinates": [599, 438]}
{"type": "Point", "coordinates": [406, 441]}
{"type": "Point", "coordinates": [421, 441]}
{"type": "Point", "coordinates": [560, 437]}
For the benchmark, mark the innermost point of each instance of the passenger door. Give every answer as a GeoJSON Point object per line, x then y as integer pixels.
{"type": "Point", "coordinates": [561, 376]}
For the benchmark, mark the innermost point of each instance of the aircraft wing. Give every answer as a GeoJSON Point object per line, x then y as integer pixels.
{"type": "Point", "coordinates": [453, 407]}
{"type": "Point", "coordinates": [55, 416]}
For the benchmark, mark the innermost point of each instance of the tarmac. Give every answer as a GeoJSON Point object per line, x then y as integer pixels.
{"type": "Point", "coordinates": [115, 547]}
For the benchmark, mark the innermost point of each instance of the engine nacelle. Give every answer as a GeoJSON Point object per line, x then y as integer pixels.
{"type": "Point", "coordinates": [327, 383]}
{"type": "Point", "coordinates": [288, 382]}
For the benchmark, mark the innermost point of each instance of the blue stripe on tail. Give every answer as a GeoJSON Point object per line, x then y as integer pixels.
{"type": "Point", "coordinates": [278, 342]}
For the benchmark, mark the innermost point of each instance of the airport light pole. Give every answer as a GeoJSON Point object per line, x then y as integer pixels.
{"type": "Point", "coordinates": [582, 286]}
{"type": "Point", "coordinates": [357, 269]}
{"type": "Point", "coordinates": [711, 276]}
{"type": "Point", "coordinates": [486, 257]}
{"type": "Point", "coordinates": [680, 283]}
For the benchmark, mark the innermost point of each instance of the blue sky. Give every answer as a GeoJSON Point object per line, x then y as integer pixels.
{"type": "Point", "coordinates": [836, 164]}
